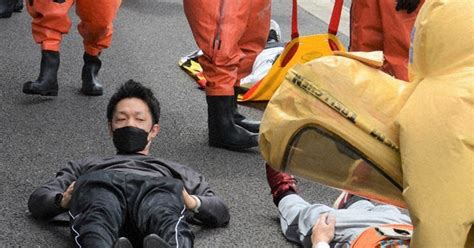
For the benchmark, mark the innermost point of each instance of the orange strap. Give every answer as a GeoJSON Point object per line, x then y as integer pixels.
{"type": "Point", "coordinates": [294, 21]}
{"type": "Point", "coordinates": [333, 24]}
{"type": "Point", "coordinates": [335, 17]}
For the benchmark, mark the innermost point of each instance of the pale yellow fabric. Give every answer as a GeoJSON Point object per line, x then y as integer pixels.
{"type": "Point", "coordinates": [374, 58]}
{"type": "Point", "coordinates": [430, 120]}
{"type": "Point", "coordinates": [375, 97]}
{"type": "Point", "coordinates": [437, 126]}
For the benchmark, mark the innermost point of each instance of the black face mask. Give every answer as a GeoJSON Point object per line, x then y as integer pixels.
{"type": "Point", "coordinates": [130, 139]}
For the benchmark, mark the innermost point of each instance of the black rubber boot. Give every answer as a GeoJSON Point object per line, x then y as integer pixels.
{"type": "Point", "coordinates": [18, 6]}
{"type": "Point", "coordinates": [223, 132]}
{"type": "Point", "coordinates": [249, 125]}
{"type": "Point", "coordinates": [122, 242]}
{"type": "Point", "coordinates": [47, 82]}
{"type": "Point", "coordinates": [90, 82]}
{"type": "Point", "coordinates": [154, 241]}
{"type": "Point", "coordinates": [6, 8]}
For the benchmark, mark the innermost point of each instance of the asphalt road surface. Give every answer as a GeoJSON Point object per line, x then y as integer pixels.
{"type": "Point", "coordinates": [38, 135]}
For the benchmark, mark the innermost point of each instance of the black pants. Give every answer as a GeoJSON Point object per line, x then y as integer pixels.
{"type": "Point", "coordinates": [106, 205]}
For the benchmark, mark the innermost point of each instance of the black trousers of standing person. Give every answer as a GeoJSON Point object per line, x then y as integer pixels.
{"type": "Point", "coordinates": [107, 204]}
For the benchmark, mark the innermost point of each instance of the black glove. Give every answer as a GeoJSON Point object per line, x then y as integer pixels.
{"type": "Point", "coordinates": [409, 5]}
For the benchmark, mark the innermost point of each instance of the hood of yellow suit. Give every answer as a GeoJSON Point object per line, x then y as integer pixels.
{"type": "Point", "coordinates": [442, 39]}
{"type": "Point", "coordinates": [436, 126]}
{"type": "Point", "coordinates": [308, 127]}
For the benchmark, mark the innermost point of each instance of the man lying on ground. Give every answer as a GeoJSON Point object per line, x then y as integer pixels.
{"type": "Point", "coordinates": [147, 200]}
{"type": "Point", "coordinates": [353, 222]}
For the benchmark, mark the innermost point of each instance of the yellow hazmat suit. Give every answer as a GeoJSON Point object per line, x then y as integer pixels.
{"type": "Point", "coordinates": [437, 126]}
{"type": "Point", "coordinates": [339, 121]}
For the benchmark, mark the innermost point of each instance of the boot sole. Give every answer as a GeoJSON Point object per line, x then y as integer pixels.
{"type": "Point", "coordinates": [41, 93]}
{"type": "Point", "coordinates": [231, 147]}
{"type": "Point", "coordinates": [6, 15]}
{"type": "Point", "coordinates": [252, 130]}
{"type": "Point", "coordinates": [92, 93]}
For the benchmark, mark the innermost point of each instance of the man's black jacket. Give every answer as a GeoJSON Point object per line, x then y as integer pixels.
{"type": "Point", "coordinates": [213, 212]}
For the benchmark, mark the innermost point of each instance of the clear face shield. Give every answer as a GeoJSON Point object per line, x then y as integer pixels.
{"type": "Point", "coordinates": [317, 154]}
{"type": "Point", "coordinates": [336, 127]}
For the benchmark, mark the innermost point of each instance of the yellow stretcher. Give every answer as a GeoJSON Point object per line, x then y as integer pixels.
{"type": "Point", "coordinates": [340, 121]}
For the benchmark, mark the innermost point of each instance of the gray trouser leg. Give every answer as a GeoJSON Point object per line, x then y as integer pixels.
{"type": "Point", "coordinates": [297, 218]}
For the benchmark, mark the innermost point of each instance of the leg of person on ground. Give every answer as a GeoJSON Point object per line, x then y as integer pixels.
{"type": "Point", "coordinates": [50, 22]}
{"type": "Point", "coordinates": [161, 212]}
{"type": "Point", "coordinates": [97, 210]}
{"type": "Point", "coordinates": [96, 29]}
{"type": "Point", "coordinates": [297, 216]}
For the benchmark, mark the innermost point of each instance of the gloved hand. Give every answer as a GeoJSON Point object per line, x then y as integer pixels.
{"type": "Point", "coordinates": [409, 5]}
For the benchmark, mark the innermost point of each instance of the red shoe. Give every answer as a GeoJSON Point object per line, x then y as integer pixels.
{"type": "Point", "coordinates": [281, 184]}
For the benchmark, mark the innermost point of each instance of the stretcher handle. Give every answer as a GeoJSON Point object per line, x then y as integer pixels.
{"type": "Point", "coordinates": [333, 23]}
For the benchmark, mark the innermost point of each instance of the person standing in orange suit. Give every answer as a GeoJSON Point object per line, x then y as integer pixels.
{"type": "Point", "coordinates": [231, 34]}
{"type": "Point", "coordinates": [380, 25]}
{"type": "Point", "coordinates": [51, 22]}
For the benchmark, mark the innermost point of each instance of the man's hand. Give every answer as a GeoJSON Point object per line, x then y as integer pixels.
{"type": "Point", "coordinates": [67, 195]}
{"type": "Point", "coordinates": [189, 201]}
{"type": "Point", "coordinates": [323, 229]}
{"type": "Point", "coordinates": [409, 5]}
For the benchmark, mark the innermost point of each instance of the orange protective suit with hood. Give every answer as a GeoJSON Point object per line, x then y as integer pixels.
{"type": "Point", "coordinates": [51, 21]}
{"type": "Point", "coordinates": [231, 34]}
{"type": "Point", "coordinates": [377, 26]}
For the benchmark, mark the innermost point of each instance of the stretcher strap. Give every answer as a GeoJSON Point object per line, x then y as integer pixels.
{"type": "Point", "coordinates": [333, 23]}
{"type": "Point", "coordinates": [294, 21]}
{"type": "Point", "coordinates": [335, 17]}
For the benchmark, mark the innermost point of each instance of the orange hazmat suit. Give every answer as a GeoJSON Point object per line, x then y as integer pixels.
{"type": "Point", "coordinates": [51, 21]}
{"type": "Point", "coordinates": [231, 34]}
{"type": "Point", "coordinates": [377, 26]}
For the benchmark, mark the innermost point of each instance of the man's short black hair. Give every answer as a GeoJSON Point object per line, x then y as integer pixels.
{"type": "Point", "coordinates": [132, 89]}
